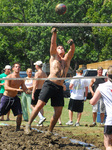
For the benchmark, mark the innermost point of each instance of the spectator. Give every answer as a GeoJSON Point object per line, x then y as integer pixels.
{"type": "Point", "coordinates": [79, 93]}
{"type": "Point", "coordinates": [37, 86]}
{"type": "Point", "coordinates": [3, 75]}
{"type": "Point", "coordinates": [104, 90]}
{"type": "Point", "coordinates": [26, 98]}
{"type": "Point", "coordinates": [93, 86]}
{"type": "Point", "coordinates": [10, 100]}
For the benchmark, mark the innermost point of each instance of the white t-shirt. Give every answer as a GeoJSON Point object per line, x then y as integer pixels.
{"type": "Point", "coordinates": [78, 88]}
{"type": "Point", "coordinates": [106, 92]}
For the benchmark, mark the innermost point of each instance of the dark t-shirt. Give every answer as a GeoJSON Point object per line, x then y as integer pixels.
{"type": "Point", "coordinates": [97, 82]}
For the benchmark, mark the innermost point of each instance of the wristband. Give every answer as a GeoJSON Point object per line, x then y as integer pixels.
{"type": "Point", "coordinates": [53, 30]}
{"type": "Point", "coordinates": [71, 42]}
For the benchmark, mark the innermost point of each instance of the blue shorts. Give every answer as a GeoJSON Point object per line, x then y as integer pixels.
{"type": "Point", "coordinates": [53, 91]}
{"type": "Point", "coordinates": [8, 103]}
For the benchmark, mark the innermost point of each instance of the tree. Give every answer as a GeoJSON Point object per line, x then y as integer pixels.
{"type": "Point", "coordinates": [29, 44]}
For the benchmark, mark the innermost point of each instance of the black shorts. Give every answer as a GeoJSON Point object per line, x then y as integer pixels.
{"type": "Point", "coordinates": [53, 91]}
{"type": "Point", "coordinates": [36, 95]}
{"type": "Point", "coordinates": [76, 105]}
{"type": "Point", "coordinates": [8, 103]}
{"type": "Point", "coordinates": [108, 129]}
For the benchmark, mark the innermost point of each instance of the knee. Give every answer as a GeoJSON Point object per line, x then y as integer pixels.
{"type": "Point", "coordinates": [58, 112]}
{"type": "Point", "coordinates": [40, 104]}
{"type": "Point", "coordinates": [19, 116]}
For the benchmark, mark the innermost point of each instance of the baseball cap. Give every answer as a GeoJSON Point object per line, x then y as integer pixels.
{"type": "Point", "coordinates": [38, 63]}
{"type": "Point", "coordinates": [80, 70]}
{"type": "Point", "coordinates": [7, 67]}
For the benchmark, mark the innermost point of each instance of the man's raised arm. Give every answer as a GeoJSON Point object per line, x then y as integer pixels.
{"type": "Point", "coordinates": [53, 41]}
{"type": "Point", "coordinates": [71, 51]}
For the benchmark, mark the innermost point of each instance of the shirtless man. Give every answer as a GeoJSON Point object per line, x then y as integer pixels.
{"type": "Point", "coordinates": [37, 86]}
{"type": "Point", "coordinates": [59, 65]}
{"type": "Point", "coordinates": [10, 100]}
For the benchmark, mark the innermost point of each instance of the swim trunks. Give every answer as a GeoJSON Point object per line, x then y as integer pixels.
{"type": "Point", "coordinates": [8, 103]}
{"type": "Point", "coordinates": [53, 91]}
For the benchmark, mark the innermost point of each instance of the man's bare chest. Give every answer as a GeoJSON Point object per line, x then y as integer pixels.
{"type": "Point", "coordinates": [61, 65]}
{"type": "Point", "coordinates": [16, 83]}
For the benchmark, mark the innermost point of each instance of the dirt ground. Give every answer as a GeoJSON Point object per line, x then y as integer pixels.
{"type": "Point", "coordinates": [12, 140]}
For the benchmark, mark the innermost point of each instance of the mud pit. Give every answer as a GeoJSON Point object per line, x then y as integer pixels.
{"type": "Point", "coordinates": [12, 140]}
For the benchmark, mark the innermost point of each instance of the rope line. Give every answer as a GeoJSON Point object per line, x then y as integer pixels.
{"type": "Point", "coordinates": [59, 24]}
{"type": "Point", "coordinates": [54, 78]}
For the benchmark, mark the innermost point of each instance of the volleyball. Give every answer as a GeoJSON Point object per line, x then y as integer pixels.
{"type": "Point", "coordinates": [60, 9]}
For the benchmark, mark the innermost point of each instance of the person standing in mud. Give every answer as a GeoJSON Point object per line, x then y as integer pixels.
{"type": "Point", "coordinates": [37, 86]}
{"type": "Point", "coordinates": [104, 90]}
{"type": "Point", "coordinates": [59, 65]}
{"type": "Point", "coordinates": [10, 100]}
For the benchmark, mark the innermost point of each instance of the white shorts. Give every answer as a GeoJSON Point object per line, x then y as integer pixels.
{"type": "Point", "coordinates": [99, 106]}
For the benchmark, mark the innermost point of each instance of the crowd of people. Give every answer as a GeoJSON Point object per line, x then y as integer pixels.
{"type": "Point", "coordinates": [36, 93]}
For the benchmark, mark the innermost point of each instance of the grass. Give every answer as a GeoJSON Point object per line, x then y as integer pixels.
{"type": "Point", "coordinates": [48, 112]}
{"type": "Point", "coordinates": [87, 134]}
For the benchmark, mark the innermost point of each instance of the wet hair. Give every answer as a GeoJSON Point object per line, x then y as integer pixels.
{"type": "Point", "coordinates": [59, 45]}
{"type": "Point", "coordinates": [16, 63]}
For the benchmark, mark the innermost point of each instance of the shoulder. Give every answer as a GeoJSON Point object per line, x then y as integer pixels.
{"type": "Point", "coordinates": [10, 76]}
{"type": "Point", "coordinates": [101, 86]}
{"type": "Point", "coordinates": [93, 80]}
{"type": "Point", "coordinates": [53, 57]}
{"type": "Point", "coordinates": [72, 81]}
{"type": "Point", "coordinates": [38, 74]}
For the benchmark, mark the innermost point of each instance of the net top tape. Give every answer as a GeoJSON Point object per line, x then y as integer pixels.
{"type": "Point", "coordinates": [53, 78]}
{"type": "Point", "coordinates": [59, 24]}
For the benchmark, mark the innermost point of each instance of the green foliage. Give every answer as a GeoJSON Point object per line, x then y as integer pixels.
{"type": "Point", "coordinates": [29, 44]}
